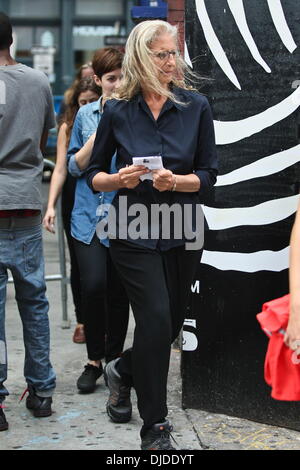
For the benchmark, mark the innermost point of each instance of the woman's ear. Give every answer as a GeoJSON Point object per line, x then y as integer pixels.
{"type": "Point", "coordinates": [97, 80]}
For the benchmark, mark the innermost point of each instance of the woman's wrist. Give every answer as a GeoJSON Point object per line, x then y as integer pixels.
{"type": "Point", "coordinates": [50, 207]}
{"type": "Point", "coordinates": [174, 183]}
{"type": "Point", "coordinates": [119, 181]}
{"type": "Point", "coordinates": [185, 183]}
{"type": "Point", "coordinates": [295, 307]}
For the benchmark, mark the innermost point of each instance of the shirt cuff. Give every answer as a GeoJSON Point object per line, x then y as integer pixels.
{"type": "Point", "coordinates": [74, 168]}
{"type": "Point", "coordinates": [89, 179]}
{"type": "Point", "coordinates": [207, 179]}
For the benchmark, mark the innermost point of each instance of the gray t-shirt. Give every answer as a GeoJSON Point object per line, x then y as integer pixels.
{"type": "Point", "coordinates": [26, 110]}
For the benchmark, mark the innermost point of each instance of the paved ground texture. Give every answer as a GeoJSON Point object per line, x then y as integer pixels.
{"type": "Point", "coordinates": [79, 422]}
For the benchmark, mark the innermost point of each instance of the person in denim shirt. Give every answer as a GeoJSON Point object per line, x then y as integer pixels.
{"type": "Point", "coordinates": [62, 183]}
{"type": "Point", "coordinates": [104, 302]}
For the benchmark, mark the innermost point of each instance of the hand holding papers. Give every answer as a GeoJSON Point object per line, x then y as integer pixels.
{"type": "Point", "coordinates": [151, 162]}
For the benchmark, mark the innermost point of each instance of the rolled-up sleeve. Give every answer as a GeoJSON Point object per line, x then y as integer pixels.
{"type": "Point", "coordinates": [76, 143]}
{"type": "Point", "coordinates": [205, 163]}
{"type": "Point", "coordinates": [104, 147]}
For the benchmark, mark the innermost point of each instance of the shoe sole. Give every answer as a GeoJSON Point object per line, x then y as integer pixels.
{"type": "Point", "coordinates": [39, 413]}
{"type": "Point", "coordinates": [4, 427]}
{"type": "Point", "coordinates": [119, 418]}
{"type": "Point", "coordinates": [86, 390]}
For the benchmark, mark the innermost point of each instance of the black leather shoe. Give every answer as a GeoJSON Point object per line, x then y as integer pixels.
{"type": "Point", "coordinates": [41, 406]}
{"type": "Point", "coordinates": [87, 381]}
{"type": "Point", "coordinates": [3, 422]}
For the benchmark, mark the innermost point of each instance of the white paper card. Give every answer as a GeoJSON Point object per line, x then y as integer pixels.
{"type": "Point", "coordinates": [151, 162]}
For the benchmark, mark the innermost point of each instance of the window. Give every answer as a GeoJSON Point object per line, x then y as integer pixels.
{"type": "Point", "coordinates": [89, 38]}
{"type": "Point", "coordinates": [23, 40]}
{"type": "Point", "coordinates": [102, 8]}
{"type": "Point", "coordinates": [47, 36]}
{"type": "Point", "coordinates": [28, 36]}
{"type": "Point", "coordinates": [34, 9]}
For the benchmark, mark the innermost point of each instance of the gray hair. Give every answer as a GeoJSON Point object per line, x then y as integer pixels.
{"type": "Point", "coordinates": [139, 70]}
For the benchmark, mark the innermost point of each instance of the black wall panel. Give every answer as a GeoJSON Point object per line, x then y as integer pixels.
{"type": "Point", "coordinates": [248, 54]}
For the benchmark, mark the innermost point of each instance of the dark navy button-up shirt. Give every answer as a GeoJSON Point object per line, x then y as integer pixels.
{"type": "Point", "coordinates": [183, 135]}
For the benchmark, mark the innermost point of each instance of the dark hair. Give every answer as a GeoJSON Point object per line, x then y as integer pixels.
{"type": "Point", "coordinates": [6, 38]}
{"type": "Point", "coordinates": [85, 84]}
{"type": "Point", "coordinates": [106, 60]}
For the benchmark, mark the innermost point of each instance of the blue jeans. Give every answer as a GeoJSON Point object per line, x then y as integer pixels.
{"type": "Point", "coordinates": [21, 251]}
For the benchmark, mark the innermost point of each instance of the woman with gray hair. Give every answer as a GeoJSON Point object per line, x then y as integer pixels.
{"type": "Point", "coordinates": [155, 114]}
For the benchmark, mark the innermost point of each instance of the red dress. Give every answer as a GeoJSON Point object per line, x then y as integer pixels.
{"type": "Point", "coordinates": [282, 365]}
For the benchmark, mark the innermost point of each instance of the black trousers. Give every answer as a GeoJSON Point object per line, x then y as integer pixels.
{"type": "Point", "coordinates": [158, 285]}
{"type": "Point", "coordinates": [67, 203]}
{"type": "Point", "coordinates": [104, 305]}
{"type": "Point", "coordinates": [74, 271]}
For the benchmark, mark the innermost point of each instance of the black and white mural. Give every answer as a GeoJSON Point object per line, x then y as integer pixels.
{"type": "Point", "coordinates": [248, 53]}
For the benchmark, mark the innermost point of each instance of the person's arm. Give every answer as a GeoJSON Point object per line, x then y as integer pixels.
{"type": "Point", "coordinates": [57, 180]}
{"type": "Point", "coordinates": [128, 177]}
{"type": "Point", "coordinates": [83, 156]}
{"type": "Point", "coordinates": [166, 180]}
{"type": "Point", "coordinates": [205, 163]}
{"type": "Point", "coordinates": [292, 336]}
{"type": "Point", "coordinates": [76, 144]}
{"type": "Point", "coordinates": [43, 141]}
{"type": "Point", "coordinates": [97, 173]}
{"type": "Point", "coordinates": [49, 117]}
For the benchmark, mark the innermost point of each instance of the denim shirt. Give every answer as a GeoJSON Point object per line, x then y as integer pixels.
{"type": "Point", "coordinates": [86, 211]}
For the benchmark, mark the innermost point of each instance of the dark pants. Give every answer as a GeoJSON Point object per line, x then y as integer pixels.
{"type": "Point", "coordinates": [158, 285]}
{"type": "Point", "coordinates": [74, 271]}
{"type": "Point", "coordinates": [117, 313]}
{"type": "Point", "coordinates": [105, 317]}
{"type": "Point", "coordinates": [67, 203]}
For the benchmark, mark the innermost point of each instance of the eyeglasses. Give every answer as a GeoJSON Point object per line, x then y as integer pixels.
{"type": "Point", "coordinates": [166, 54]}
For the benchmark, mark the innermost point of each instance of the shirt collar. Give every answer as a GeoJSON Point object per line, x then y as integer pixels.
{"type": "Point", "coordinates": [180, 96]}
{"type": "Point", "coordinates": [177, 93]}
{"type": "Point", "coordinates": [96, 105]}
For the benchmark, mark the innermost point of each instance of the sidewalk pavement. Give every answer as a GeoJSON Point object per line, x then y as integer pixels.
{"type": "Point", "coordinates": [79, 422]}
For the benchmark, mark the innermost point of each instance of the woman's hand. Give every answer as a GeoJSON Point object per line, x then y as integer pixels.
{"type": "Point", "coordinates": [49, 219]}
{"type": "Point", "coordinates": [292, 335]}
{"type": "Point", "coordinates": [129, 177]}
{"type": "Point", "coordinates": [163, 180]}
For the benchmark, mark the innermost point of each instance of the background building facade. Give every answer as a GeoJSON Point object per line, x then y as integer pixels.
{"type": "Point", "coordinates": [58, 36]}
{"type": "Point", "coordinates": [63, 34]}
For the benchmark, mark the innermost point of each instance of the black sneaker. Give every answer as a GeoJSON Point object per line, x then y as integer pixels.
{"type": "Point", "coordinates": [41, 406]}
{"type": "Point", "coordinates": [3, 422]}
{"type": "Point", "coordinates": [118, 406]}
{"type": "Point", "coordinates": [158, 437]}
{"type": "Point", "coordinates": [87, 381]}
